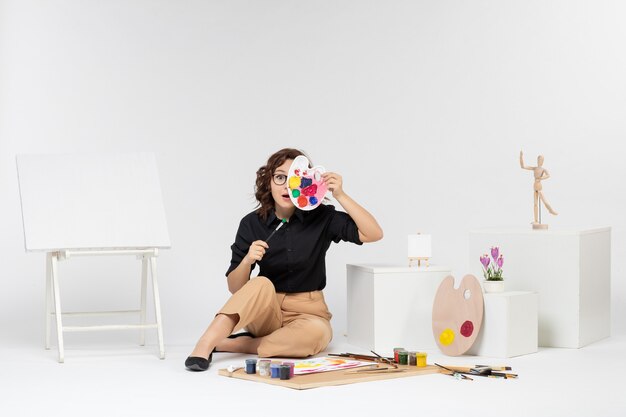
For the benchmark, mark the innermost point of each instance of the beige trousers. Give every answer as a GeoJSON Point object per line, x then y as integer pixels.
{"type": "Point", "coordinates": [290, 325]}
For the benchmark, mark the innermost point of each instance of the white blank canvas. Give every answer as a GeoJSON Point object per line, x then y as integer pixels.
{"type": "Point", "coordinates": [81, 201]}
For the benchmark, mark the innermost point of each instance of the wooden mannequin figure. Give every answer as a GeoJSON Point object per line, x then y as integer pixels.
{"type": "Point", "coordinates": [540, 174]}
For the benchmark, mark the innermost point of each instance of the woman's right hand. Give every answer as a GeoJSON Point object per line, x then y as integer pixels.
{"type": "Point", "coordinates": [256, 251]}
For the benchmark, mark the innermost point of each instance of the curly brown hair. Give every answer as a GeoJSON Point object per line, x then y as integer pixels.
{"type": "Point", "coordinates": [263, 186]}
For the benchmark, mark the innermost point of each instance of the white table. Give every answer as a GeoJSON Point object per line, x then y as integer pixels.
{"type": "Point", "coordinates": [569, 269]}
{"type": "Point", "coordinates": [391, 306]}
{"type": "Point", "coordinates": [509, 325]}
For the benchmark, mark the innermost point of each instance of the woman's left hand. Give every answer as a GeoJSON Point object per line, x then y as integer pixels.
{"type": "Point", "coordinates": [334, 183]}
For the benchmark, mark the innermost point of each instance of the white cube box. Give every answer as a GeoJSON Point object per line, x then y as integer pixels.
{"type": "Point", "coordinates": [509, 325]}
{"type": "Point", "coordinates": [569, 269]}
{"type": "Point", "coordinates": [391, 306]}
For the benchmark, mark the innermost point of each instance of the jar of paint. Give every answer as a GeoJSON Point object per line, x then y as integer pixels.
{"type": "Point", "coordinates": [264, 367]}
{"type": "Point", "coordinates": [251, 366]}
{"type": "Point", "coordinates": [292, 367]}
{"type": "Point", "coordinates": [421, 359]}
{"type": "Point", "coordinates": [403, 357]}
{"type": "Point", "coordinates": [285, 371]}
{"type": "Point", "coordinates": [395, 354]}
{"type": "Point", "coordinates": [412, 360]}
{"type": "Point", "coordinates": [275, 370]}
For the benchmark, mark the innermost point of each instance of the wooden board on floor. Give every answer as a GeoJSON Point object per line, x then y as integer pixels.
{"type": "Point", "coordinates": [324, 379]}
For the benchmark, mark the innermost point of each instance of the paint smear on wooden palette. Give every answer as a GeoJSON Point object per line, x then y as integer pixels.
{"type": "Point", "coordinates": [457, 315]}
{"type": "Point", "coordinates": [306, 188]}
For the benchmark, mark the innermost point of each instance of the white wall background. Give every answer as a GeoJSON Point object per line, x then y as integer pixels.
{"type": "Point", "coordinates": [422, 106]}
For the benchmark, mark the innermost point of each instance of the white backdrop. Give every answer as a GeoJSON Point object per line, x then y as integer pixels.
{"type": "Point", "coordinates": [422, 106]}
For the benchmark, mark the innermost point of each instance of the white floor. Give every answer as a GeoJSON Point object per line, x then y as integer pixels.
{"type": "Point", "coordinates": [126, 380]}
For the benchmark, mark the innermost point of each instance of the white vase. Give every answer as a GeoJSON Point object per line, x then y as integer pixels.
{"type": "Point", "coordinates": [493, 286]}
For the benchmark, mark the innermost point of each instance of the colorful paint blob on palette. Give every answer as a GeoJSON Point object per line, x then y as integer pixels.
{"type": "Point", "coordinates": [306, 188]}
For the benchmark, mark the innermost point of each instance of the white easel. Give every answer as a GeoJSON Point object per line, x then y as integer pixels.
{"type": "Point", "coordinates": [94, 205]}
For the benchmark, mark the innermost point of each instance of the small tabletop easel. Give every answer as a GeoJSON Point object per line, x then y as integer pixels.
{"type": "Point", "coordinates": [419, 260]}
{"type": "Point", "coordinates": [419, 249]}
{"type": "Point", "coordinates": [94, 205]}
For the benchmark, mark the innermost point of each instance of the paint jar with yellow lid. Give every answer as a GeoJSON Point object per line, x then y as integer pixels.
{"type": "Point", "coordinates": [421, 359]}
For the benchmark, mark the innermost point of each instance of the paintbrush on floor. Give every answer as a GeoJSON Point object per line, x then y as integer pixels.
{"type": "Point", "coordinates": [482, 370]}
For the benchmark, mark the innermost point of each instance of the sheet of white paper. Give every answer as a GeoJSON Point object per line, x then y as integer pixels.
{"type": "Point", "coordinates": [326, 364]}
{"type": "Point", "coordinates": [80, 201]}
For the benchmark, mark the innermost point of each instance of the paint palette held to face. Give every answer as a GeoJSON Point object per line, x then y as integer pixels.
{"type": "Point", "coordinates": [306, 187]}
{"type": "Point", "coordinates": [457, 315]}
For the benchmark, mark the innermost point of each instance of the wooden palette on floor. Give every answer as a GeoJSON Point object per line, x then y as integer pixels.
{"type": "Point", "coordinates": [325, 379]}
{"type": "Point", "coordinates": [457, 314]}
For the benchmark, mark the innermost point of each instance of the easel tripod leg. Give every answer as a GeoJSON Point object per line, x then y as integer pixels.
{"type": "Point", "coordinates": [157, 306]}
{"type": "Point", "coordinates": [144, 288]}
{"type": "Point", "coordinates": [48, 305]}
{"type": "Point", "coordinates": [57, 305]}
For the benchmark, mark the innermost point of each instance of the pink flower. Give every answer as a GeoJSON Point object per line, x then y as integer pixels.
{"type": "Point", "coordinates": [485, 260]}
{"type": "Point", "coordinates": [492, 266]}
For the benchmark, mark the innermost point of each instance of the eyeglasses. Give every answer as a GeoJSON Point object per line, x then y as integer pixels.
{"type": "Point", "coordinates": [279, 179]}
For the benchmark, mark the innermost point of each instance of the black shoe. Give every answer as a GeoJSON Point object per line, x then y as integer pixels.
{"type": "Point", "coordinates": [195, 363]}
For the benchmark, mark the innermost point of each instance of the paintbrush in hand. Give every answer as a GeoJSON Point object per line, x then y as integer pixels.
{"type": "Point", "coordinates": [283, 221]}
